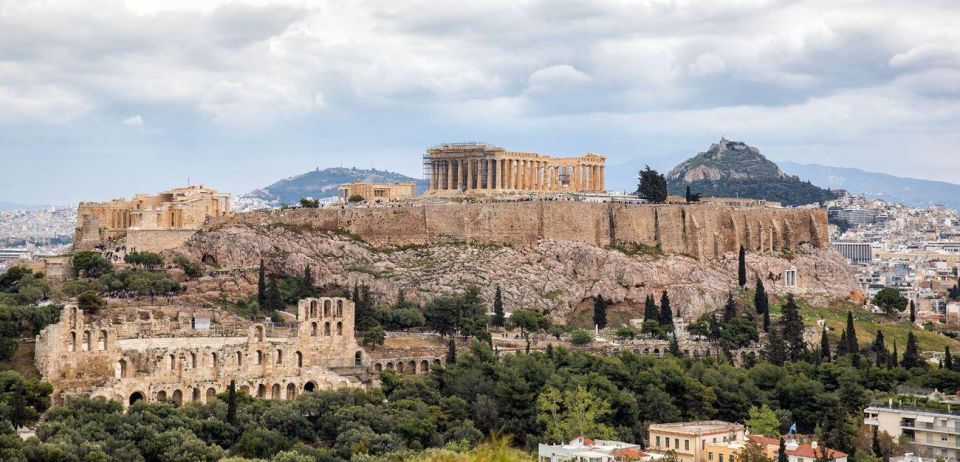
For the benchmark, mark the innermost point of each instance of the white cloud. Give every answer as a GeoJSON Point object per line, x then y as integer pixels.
{"type": "Point", "coordinates": [706, 64]}
{"type": "Point", "coordinates": [132, 121]}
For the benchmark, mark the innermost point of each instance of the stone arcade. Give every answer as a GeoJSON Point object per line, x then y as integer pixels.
{"type": "Point", "coordinates": [184, 357]}
{"type": "Point", "coordinates": [481, 168]}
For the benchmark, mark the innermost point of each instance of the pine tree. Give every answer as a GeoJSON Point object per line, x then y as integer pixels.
{"type": "Point", "coordinates": [666, 314]}
{"type": "Point", "coordinates": [714, 327]}
{"type": "Point", "coordinates": [261, 286]}
{"type": "Point", "coordinates": [363, 309]}
{"type": "Point", "coordinates": [911, 354]}
{"type": "Point", "coordinates": [842, 344]}
{"type": "Point", "coordinates": [452, 351]}
{"type": "Point", "coordinates": [824, 345]}
{"type": "Point", "coordinates": [879, 349]}
{"type": "Point", "coordinates": [232, 403]}
{"type": "Point", "coordinates": [760, 300]}
{"type": "Point", "coordinates": [782, 452]}
{"type": "Point", "coordinates": [742, 267]}
{"type": "Point", "coordinates": [650, 310]}
{"type": "Point", "coordinates": [675, 346]}
{"type": "Point", "coordinates": [947, 358]}
{"type": "Point", "coordinates": [499, 318]}
{"type": "Point", "coordinates": [791, 323]}
{"type": "Point", "coordinates": [876, 444]}
{"type": "Point", "coordinates": [913, 312]}
{"type": "Point", "coordinates": [600, 311]}
{"type": "Point", "coordinates": [729, 309]}
{"type": "Point", "coordinates": [776, 347]}
{"type": "Point", "coordinates": [308, 289]}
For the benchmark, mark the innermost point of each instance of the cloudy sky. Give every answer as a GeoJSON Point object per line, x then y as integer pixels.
{"type": "Point", "coordinates": [102, 98]}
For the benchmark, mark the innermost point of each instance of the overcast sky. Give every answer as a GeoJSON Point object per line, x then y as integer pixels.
{"type": "Point", "coordinates": [102, 98]}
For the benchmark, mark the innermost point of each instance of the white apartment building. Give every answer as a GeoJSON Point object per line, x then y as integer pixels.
{"type": "Point", "coordinates": [930, 433]}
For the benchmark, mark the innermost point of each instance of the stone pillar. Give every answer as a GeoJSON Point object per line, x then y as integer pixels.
{"type": "Point", "coordinates": [449, 179]}
{"type": "Point", "coordinates": [540, 175]}
{"type": "Point", "coordinates": [489, 164]}
{"type": "Point", "coordinates": [602, 186]}
{"type": "Point", "coordinates": [513, 174]}
{"type": "Point", "coordinates": [469, 176]}
{"type": "Point", "coordinates": [433, 175]}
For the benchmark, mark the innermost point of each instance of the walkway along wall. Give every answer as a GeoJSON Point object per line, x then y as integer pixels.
{"type": "Point", "coordinates": [699, 231]}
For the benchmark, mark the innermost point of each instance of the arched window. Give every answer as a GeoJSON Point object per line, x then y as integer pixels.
{"type": "Point", "coordinates": [213, 360]}
{"type": "Point", "coordinates": [436, 363]}
{"type": "Point", "coordinates": [121, 369]}
{"type": "Point", "coordinates": [400, 367]}
{"type": "Point", "coordinates": [259, 332]}
{"type": "Point", "coordinates": [193, 360]}
{"type": "Point", "coordinates": [211, 394]}
{"type": "Point", "coordinates": [310, 386]}
{"type": "Point", "coordinates": [239, 359]}
{"type": "Point", "coordinates": [313, 308]}
{"type": "Point", "coordinates": [390, 366]}
{"type": "Point", "coordinates": [177, 397]}
{"type": "Point", "coordinates": [299, 356]}
{"type": "Point", "coordinates": [102, 341]}
{"type": "Point", "coordinates": [279, 356]}
{"type": "Point", "coordinates": [135, 396]}
{"type": "Point", "coordinates": [424, 366]}
{"type": "Point", "coordinates": [326, 329]}
{"type": "Point", "coordinates": [339, 308]}
{"type": "Point", "coordinates": [291, 392]}
{"type": "Point", "coordinates": [275, 391]}
{"type": "Point", "coordinates": [259, 357]}
{"type": "Point", "coordinates": [72, 346]}
{"type": "Point", "coordinates": [412, 366]}
{"type": "Point", "coordinates": [313, 329]}
{"type": "Point", "coordinates": [171, 362]}
{"type": "Point", "coordinates": [339, 328]}
{"type": "Point", "coordinates": [161, 395]}
{"type": "Point", "coordinates": [87, 342]}
{"type": "Point", "coordinates": [196, 395]}
{"type": "Point", "coordinates": [326, 308]}
{"type": "Point", "coordinates": [261, 391]}
{"type": "Point", "coordinates": [358, 358]}
{"type": "Point", "coordinates": [378, 367]}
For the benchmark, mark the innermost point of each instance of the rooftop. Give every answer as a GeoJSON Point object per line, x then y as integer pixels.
{"type": "Point", "coordinates": [703, 426]}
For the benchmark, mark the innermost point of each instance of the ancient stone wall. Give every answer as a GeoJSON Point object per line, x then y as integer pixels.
{"type": "Point", "coordinates": [700, 231]}
{"type": "Point", "coordinates": [157, 240]}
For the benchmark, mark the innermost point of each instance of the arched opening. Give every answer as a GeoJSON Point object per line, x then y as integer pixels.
{"type": "Point", "coordinates": [326, 308]}
{"type": "Point", "coordinates": [378, 367]}
{"type": "Point", "coordinates": [313, 329]}
{"type": "Point", "coordinates": [656, 351]}
{"type": "Point", "coordinates": [339, 328]}
{"type": "Point", "coordinates": [436, 363]}
{"type": "Point", "coordinates": [299, 357]}
{"type": "Point", "coordinates": [358, 358]}
{"type": "Point", "coordinates": [121, 368]}
{"type": "Point", "coordinates": [193, 360]}
{"type": "Point", "coordinates": [72, 346]}
{"type": "Point", "coordinates": [102, 341]}
{"type": "Point", "coordinates": [171, 362]}
{"type": "Point", "coordinates": [161, 396]}
{"type": "Point", "coordinates": [135, 396]}
{"type": "Point", "coordinates": [310, 387]}
{"type": "Point", "coordinates": [259, 357]}
{"type": "Point", "coordinates": [259, 333]}
{"type": "Point", "coordinates": [208, 259]}
{"type": "Point", "coordinates": [261, 391]}
{"type": "Point", "coordinates": [275, 392]}
{"type": "Point", "coordinates": [313, 308]}
{"type": "Point", "coordinates": [412, 367]}
{"type": "Point", "coordinates": [245, 389]}
{"type": "Point", "coordinates": [390, 366]}
{"type": "Point", "coordinates": [291, 392]}
{"type": "Point", "coordinates": [646, 351]}
{"type": "Point", "coordinates": [686, 352]}
{"type": "Point", "coordinates": [279, 356]}
{"type": "Point", "coordinates": [87, 342]}
{"type": "Point", "coordinates": [211, 394]}
{"type": "Point", "coordinates": [424, 366]}
{"type": "Point", "coordinates": [177, 397]}
{"type": "Point", "coordinates": [239, 359]}
{"type": "Point", "coordinates": [400, 367]}
{"type": "Point", "coordinates": [326, 329]}
{"type": "Point", "coordinates": [213, 360]}
{"type": "Point", "coordinates": [196, 395]}
{"type": "Point", "coordinates": [339, 307]}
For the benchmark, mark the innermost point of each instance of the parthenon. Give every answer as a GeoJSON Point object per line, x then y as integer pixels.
{"type": "Point", "coordinates": [482, 168]}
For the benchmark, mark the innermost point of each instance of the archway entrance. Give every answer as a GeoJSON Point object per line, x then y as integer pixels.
{"type": "Point", "coordinates": [136, 396]}
{"type": "Point", "coordinates": [310, 386]}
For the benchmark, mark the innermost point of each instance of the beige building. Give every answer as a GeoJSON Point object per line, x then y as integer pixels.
{"type": "Point", "coordinates": [182, 355]}
{"type": "Point", "coordinates": [377, 192]}
{"type": "Point", "coordinates": [152, 222]}
{"type": "Point", "coordinates": [689, 439]}
{"type": "Point", "coordinates": [930, 433]}
{"type": "Point", "coordinates": [482, 168]}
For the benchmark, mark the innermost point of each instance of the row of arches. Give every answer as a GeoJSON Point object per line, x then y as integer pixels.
{"type": "Point", "coordinates": [314, 329]}
{"type": "Point", "coordinates": [410, 367]}
{"type": "Point", "coordinates": [328, 310]}
{"type": "Point", "coordinates": [263, 391]}
{"type": "Point", "coordinates": [87, 342]}
{"type": "Point", "coordinates": [656, 351]}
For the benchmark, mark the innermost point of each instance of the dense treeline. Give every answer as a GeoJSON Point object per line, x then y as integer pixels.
{"type": "Point", "coordinates": [524, 395]}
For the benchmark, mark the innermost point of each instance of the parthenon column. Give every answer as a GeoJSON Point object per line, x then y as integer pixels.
{"type": "Point", "coordinates": [603, 186]}
{"type": "Point", "coordinates": [489, 164]}
{"type": "Point", "coordinates": [449, 181]}
{"type": "Point", "coordinates": [513, 174]}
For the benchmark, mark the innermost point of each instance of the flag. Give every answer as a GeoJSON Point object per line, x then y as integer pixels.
{"type": "Point", "coordinates": [793, 428]}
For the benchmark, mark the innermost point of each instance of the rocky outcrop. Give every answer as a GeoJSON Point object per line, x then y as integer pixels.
{"type": "Point", "coordinates": [559, 273]}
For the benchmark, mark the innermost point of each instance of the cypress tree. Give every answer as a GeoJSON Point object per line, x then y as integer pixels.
{"type": "Point", "coordinates": [650, 310]}
{"type": "Point", "coordinates": [452, 351]}
{"type": "Point", "coordinates": [892, 359]}
{"type": "Point", "coordinates": [879, 349]}
{"type": "Point", "coordinates": [791, 323]}
{"type": "Point", "coordinates": [675, 346]}
{"type": "Point", "coordinates": [760, 300]}
{"type": "Point", "coordinates": [666, 314]}
{"type": "Point", "coordinates": [852, 347]}
{"type": "Point", "coordinates": [232, 403]}
{"type": "Point", "coordinates": [947, 358]}
{"type": "Point", "coordinates": [876, 444]}
{"type": "Point", "coordinates": [714, 327]}
{"type": "Point", "coordinates": [688, 194]}
{"type": "Point", "coordinates": [742, 267]}
{"type": "Point", "coordinates": [499, 318]}
{"type": "Point", "coordinates": [776, 347]}
{"type": "Point", "coordinates": [729, 309]}
{"type": "Point", "coordinates": [766, 321]}
{"type": "Point", "coordinates": [273, 299]}
{"type": "Point", "coordinates": [600, 311]}
{"type": "Point", "coordinates": [261, 286]}
{"type": "Point", "coordinates": [911, 354]}
{"type": "Point", "coordinates": [824, 345]}
{"type": "Point", "coordinates": [913, 312]}
{"type": "Point", "coordinates": [842, 344]}
{"type": "Point", "coordinates": [782, 452]}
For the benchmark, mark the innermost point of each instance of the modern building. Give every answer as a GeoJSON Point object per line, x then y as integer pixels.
{"type": "Point", "coordinates": [689, 439]}
{"type": "Point", "coordinates": [929, 432]}
{"type": "Point", "coordinates": [855, 251]}
{"type": "Point", "coordinates": [588, 450]}
{"type": "Point", "coordinates": [795, 450]}
{"type": "Point", "coordinates": [387, 192]}
{"type": "Point", "coordinates": [482, 168]}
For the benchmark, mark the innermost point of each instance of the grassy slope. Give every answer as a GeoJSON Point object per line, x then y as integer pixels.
{"type": "Point", "coordinates": [22, 361]}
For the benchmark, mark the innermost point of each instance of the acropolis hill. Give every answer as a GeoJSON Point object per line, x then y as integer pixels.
{"type": "Point", "coordinates": [550, 255]}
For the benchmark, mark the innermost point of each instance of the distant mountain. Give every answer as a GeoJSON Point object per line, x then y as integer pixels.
{"type": "Point", "coordinates": [4, 206]}
{"type": "Point", "coordinates": [735, 169]}
{"type": "Point", "coordinates": [319, 184]}
{"type": "Point", "coordinates": [907, 191]}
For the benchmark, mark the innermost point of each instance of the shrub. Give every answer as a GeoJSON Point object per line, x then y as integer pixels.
{"type": "Point", "coordinates": [580, 337]}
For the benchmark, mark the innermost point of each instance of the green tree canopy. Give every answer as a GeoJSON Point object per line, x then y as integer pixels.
{"type": "Point", "coordinates": [571, 413]}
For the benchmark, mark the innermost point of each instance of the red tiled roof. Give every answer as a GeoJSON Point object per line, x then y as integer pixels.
{"type": "Point", "coordinates": [764, 440]}
{"type": "Point", "coordinates": [803, 450]}
{"type": "Point", "coordinates": [630, 453]}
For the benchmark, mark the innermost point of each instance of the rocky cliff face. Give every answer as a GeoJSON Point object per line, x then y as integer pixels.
{"type": "Point", "coordinates": [553, 274]}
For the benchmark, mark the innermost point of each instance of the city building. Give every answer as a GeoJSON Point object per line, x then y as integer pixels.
{"type": "Point", "coordinates": [795, 450]}
{"type": "Point", "coordinates": [149, 222]}
{"type": "Point", "coordinates": [855, 251]}
{"type": "Point", "coordinates": [482, 168]}
{"type": "Point", "coordinates": [589, 450]}
{"type": "Point", "coordinates": [376, 192]}
{"type": "Point", "coordinates": [689, 439]}
{"type": "Point", "coordinates": [928, 432]}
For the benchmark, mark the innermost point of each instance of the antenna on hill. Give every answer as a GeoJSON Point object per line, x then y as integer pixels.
{"type": "Point", "coordinates": [188, 181]}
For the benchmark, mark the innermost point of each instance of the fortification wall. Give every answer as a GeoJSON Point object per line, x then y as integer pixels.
{"type": "Point", "coordinates": [700, 231]}
{"type": "Point", "coordinates": [157, 240]}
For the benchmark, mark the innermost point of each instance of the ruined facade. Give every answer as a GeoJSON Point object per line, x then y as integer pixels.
{"type": "Point", "coordinates": [387, 192]}
{"type": "Point", "coordinates": [481, 168]}
{"type": "Point", "coordinates": [192, 355]}
{"type": "Point", "coordinates": [149, 222]}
